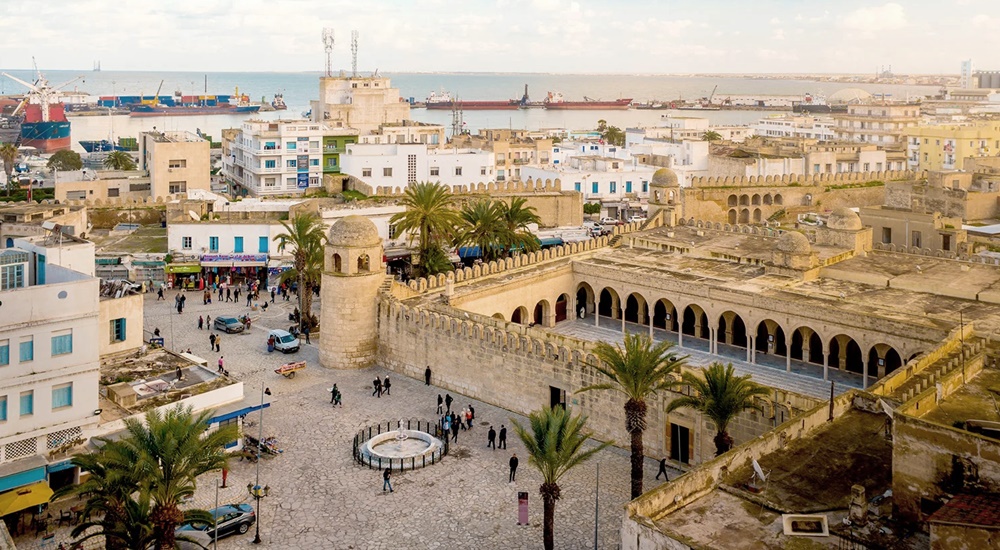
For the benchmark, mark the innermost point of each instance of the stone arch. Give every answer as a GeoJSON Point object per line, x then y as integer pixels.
{"type": "Point", "coordinates": [695, 321]}
{"type": "Point", "coordinates": [755, 200]}
{"type": "Point", "coordinates": [584, 299]}
{"type": "Point", "coordinates": [757, 215]}
{"type": "Point", "coordinates": [364, 263]}
{"type": "Point", "coordinates": [732, 331]}
{"type": "Point", "coordinates": [733, 216]}
{"type": "Point", "coordinates": [845, 354]}
{"type": "Point", "coordinates": [882, 360]}
{"type": "Point", "coordinates": [768, 199]}
{"type": "Point", "coordinates": [744, 200]}
{"type": "Point", "coordinates": [778, 199]}
{"type": "Point", "coordinates": [520, 316]}
{"type": "Point", "coordinates": [665, 315]}
{"type": "Point", "coordinates": [744, 216]}
{"type": "Point", "coordinates": [609, 304]}
{"type": "Point", "coordinates": [806, 345]}
{"type": "Point", "coordinates": [542, 314]}
{"type": "Point", "coordinates": [563, 308]}
{"type": "Point", "coordinates": [636, 309]}
{"type": "Point", "coordinates": [500, 316]}
{"type": "Point", "coordinates": [338, 264]}
{"type": "Point", "coordinates": [770, 338]}
{"type": "Point", "coordinates": [732, 201]}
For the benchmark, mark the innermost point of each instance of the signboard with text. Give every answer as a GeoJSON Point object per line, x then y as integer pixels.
{"type": "Point", "coordinates": [302, 180]}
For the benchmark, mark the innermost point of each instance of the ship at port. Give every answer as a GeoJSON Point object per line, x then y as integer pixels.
{"type": "Point", "coordinates": [102, 146]}
{"type": "Point", "coordinates": [44, 125]}
{"type": "Point", "coordinates": [278, 103]}
{"type": "Point", "coordinates": [182, 105]}
{"type": "Point", "coordinates": [444, 101]}
{"type": "Point", "coordinates": [555, 100]}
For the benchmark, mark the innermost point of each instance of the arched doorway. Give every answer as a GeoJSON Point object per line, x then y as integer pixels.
{"type": "Point", "coordinates": [732, 331]}
{"type": "Point", "coordinates": [845, 354]}
{"type": "Point", "coordinates": [695, 321]}
{"type": "Point", "coordinates": [520, 316]}
{"type": "Point", "coordinates": [806, 345]}
{"type": "Point", "coordinates": [732, 200]}
{"type": "Point", "coordinates": [499, 316]}
{"type": "Point", "coordinates": [882, 360]}
{"type": "Point", "coordinates": [733, 216]}
{"type": "Point", "coordinates": [757, 215]}
{"type": "Point", "coordinates": [610, 304]}
{"type": "Point", "coordinates": [541, 313]}
{"type": "Point", "coordinates": [745, 215]}
{"type": "Point", "coordinates": [584, 299]}
{"type": "Point", "coordinates": [562, 307]}
{"type": "Point", "coordinates": [635, 309]}
{"type": "Point", "coordinates": [770, 338]}
{"type": "Point", "coordinates": [665, 315]}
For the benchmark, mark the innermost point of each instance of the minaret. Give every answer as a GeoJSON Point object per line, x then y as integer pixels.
{"type": "Point", "coordinates": [352, 274]}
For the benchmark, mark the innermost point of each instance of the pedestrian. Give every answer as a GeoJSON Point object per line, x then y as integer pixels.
{"type": "Point", "coordinates": [218, 344]}
{"type": "Point", "coordinates": [427, 376]}
{"type": "Point", "coordinates": [211, 341]}
{"type": "Point", "coordinates": [386, 385]}
{"type": "Point", "coordinates": [491, 437]}
{"type": "Point", "coordinates": [468, 418]}
{"type": "Point", "coordinates": [201, 322]}
{"type": "Point", "coordinates": [178, 373]}
{"type": "Point", "coordinates": [472, 411]}
{"type": "Point", "coordinates": [249, 299]}
{"type": "Point", "coordinates": [236, 295]}
{"type": "Point", "coordinates": [220, 365]}
{"type": "Point", "coordinates": [663, 469]}
{"type": "Point", "coordinates": [513, 469]}
{"type": "Point", "coordinates": [462, 416]}
{"type": "Point", "coordinates": [333, 394]}
{"type": "Point", "coordinates": [229, 294]}
{"type": "Point", "coordinates": [272, 294]}
{"type": "Point", "coordinates": [454, 429]}
{"type": "Point", "coordinates": [440, 404]}
{"type": "Point", "coordinates": [221, 290]}
{"type": "Point", "coordinates": [204, 298]}
{"type": "Point", "coordinates": [377, 385]}
{"type": "Point", "coordinates": [208, 321]}
{"type": "Point", "coordinates": [385, 479]}
{"type": "Point", "coordinates": [446, 424]}
{"type": "Point", "coordinates": [307, 328]}
{"type": "Point", "coordinates": [159, 294]}
{"type": "Point", "coordinates": [447, 401]}
{"type": "Point", "coordinates": [503, 436]}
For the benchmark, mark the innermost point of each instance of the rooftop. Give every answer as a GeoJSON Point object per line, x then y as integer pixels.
{"type": "Point", "coordinates": [174, 137]}
{"type": "Point", "coordinates": [978, 510]}
{"type": "Point", "coordinates": [975, 400]}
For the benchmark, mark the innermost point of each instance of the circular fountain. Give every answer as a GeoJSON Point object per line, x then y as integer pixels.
{"type": "Point", "coordinates": [403, 448]}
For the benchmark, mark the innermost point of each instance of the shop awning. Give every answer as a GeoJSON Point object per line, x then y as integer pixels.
{"type": "Point", "coordinates": [233, 410]}
{"type": "Point", "coordinates": [25, 471]}
{"type": "Point", "coordinates": [234, 260]}
{"type": "Point", "coordinates": [24, 497]}
{"type": "Point", "coordinates": [183, 268]}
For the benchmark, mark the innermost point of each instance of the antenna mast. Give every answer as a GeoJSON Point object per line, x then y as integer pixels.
{"type": "Point", "coordinates": [328, 47]}
{"type": "Point", "coordinates": [354, 54]}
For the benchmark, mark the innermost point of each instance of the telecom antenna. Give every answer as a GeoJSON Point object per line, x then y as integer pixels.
{"type": "Point", "coordinates": [328, 47]}
{"type": "Point", "coordinates": [354, 54]}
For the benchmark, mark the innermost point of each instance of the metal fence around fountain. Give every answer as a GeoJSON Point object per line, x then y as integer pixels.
{"type": "Point", "coordinates": [435, 428]}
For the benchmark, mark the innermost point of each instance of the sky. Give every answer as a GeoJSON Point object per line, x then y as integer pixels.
{"type": "Point", "coordinates": [512, 36]}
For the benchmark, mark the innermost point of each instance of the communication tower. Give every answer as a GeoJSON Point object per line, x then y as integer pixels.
{"type": "Point", "coordinates": [328, 47]}
{"type": "Point", "coordinates": [354, 54]}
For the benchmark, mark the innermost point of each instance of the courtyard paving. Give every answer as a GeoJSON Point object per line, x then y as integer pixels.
{"type": "Point", "coordinates": [320, 498]}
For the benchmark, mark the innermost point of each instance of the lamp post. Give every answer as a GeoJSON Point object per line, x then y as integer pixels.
{"type": "Point", "coordinates": [255, 490]}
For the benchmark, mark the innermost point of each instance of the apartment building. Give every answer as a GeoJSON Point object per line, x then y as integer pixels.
{"type": "Point", "coordinates": [946, 146]}
{"type": "Point", "coordinates": [809, 127]}
{"type": "Point", "coordinates": [598, 178]}
{"type": "Point", "coordinates": [511, 149]}
{"type": "Point", "coordinates": [177, 162]}
{"type": "Point", "coordinates": [401, 164]}
{"type": "Point", "coordinates": [885, 124]}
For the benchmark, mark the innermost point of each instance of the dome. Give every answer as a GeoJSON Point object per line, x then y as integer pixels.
{"type": "Point", "coordinates": [354, 231]}
{"type": "Point", "coordinates": [793, 242]}
{"type": "Point", "coordinates": [849, 95]}
{"type": "Point", "coordinates": [664, 177]}
{"type": "Point", "coordinates": [844, 219]}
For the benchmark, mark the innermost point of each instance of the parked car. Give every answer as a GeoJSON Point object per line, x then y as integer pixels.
{"type": "Point", "coordinates": [611, 221]}
{"type": "Point", "coordinates": [639, 219]}
{"type": "Point", "coordinates": [232, 518]}
{"type": "Point", "coordinates": [284, 341]}
{"type": "Point", "coordinates": [228, 324]}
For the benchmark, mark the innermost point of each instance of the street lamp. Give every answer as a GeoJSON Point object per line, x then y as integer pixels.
{"type": "Point", "coordinates": [255, 490]}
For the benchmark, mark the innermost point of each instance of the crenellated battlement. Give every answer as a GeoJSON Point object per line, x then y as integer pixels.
{"type": "Point", "coordinates": [490, 188]}
{"type": "Point", "coordinates": [804, 179]}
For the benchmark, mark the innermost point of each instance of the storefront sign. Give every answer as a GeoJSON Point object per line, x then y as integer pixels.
{"type": "Point", "coordinates": [234, 258]}
{"type": "Point", "coordinates": [302, 180]}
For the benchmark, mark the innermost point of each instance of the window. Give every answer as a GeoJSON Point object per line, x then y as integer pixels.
{"type": "Point", "coordinates": [262, 244]}
{"type": "Point", "coordinates": [313, 162]}
{"type": "Point", "coordinates": [435, 171]}
{"type": "Point", "coordinates": [11, 276]}
{"type": "Point", "coordinates": [291, 163]}
{"type": "Point", "coordinates": [118, 333]}
{"type": "Point", "coordinates": [387, 172]}
{"type": "Point", "coordinates": [482, 171]}
{"type": "Point", "coordinates": [114, 192]}
{"type": "Point", "coordinates": [178, 187]}
{"type": "Point", "coordinates": [270, 163]}
{"type": "Point", "coordinates": [27, 403]}
{"type": "Point", "coordinates": [290, 145]}
{"type": "Point", "coordinates": [458, 170]}
{"type": "Point", "coordinates": [3, 408]}
{"type": "Point", "coordinates": [576, 187]}
{"type": "Point", "coordinates": [179, 163]}
{"type": "Point", "coordinates": [27, 349]}
{"type": "Point", "coordinates": [62, 396]}
{"type": "Point", "coordinates": [614, 186]}
{"type": "Point", "coordinates": [213, 244]}
{"type": "Point", "coordinates": [815, 168]}
{"type": "Point", "coordinates": [331, 162]}
{"type": "Point", "coordinates": [4, 352]}
{"type": "Point", "coordinates": [62, 342]}
{"type": "Point", "coordinates": [593, 187]}
{"type": "Point", "coordinates": [915, 239]}
{"type": "Point", "coordinates": [270, 182]}
{"type": "Point", "coordinates": [238, 244]}
{"type": "Point", "coordinates": [392, 231]}
{"type": "Point", "coordinates": [645, 187]}
{"type": "Point", "coordinates": [314, 144]}
{"type": "Point", "coordinates": [269, 146]}
{"type": "Point", "coordinates": [886, 235]}
{"type": "Point", "coordinates": [628, 187]}
{"type": "Point", "coordinates": [366, 172]}
{"type": "Point", "coordinates": [186, 243]}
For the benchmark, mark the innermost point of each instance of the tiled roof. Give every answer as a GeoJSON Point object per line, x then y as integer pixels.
{"type": "Point", "coordinates": [982, 510]}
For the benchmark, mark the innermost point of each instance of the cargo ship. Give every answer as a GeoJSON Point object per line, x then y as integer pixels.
{"type": "Point", "coordinates": [279, 102]}
{"type": "Point", "coordinates": [555, 100]}
{"type": "Point", "coordinates": [101, 146]}
{"type": "Point", "coordinates": [184, 110]}
{"type": "Point", "coordinates": [444, 101]}
{"type": "Point", "coordinates": [44, 126]}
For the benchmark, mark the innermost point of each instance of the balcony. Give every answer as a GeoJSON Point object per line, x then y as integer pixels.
{"type": "Point", "coordinates": [521, 161]}
{"type": "Point", "coordinates": [272, 170]}
{"type": "Point", "coordinates": [329, 150]}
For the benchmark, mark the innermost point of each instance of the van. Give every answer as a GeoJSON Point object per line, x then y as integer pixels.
{"type": "Point", "coordinates": [284, 341]}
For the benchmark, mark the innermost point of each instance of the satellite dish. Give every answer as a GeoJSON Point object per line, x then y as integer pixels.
{"type": "Point", "coordinates": [885, 408]}
{"type": "Point", "coordinates": [194, 215]}
{"type": "Point", "coordinates": [758, 470]}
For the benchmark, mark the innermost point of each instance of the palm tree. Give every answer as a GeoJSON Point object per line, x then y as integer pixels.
{"type": "Point", "coordinates": [168, 453]}
{"type": "Point", "coordinates": [711, 135]}
{"type": "Point", "coordinates": [431, 217]}
{"type": "Point", "coordinates": [721, 395]}
{"type": "Point", "coordinates": [516, 218]}
{"type": "Point", "coordinates": [483, 228]}
{"type": "Point", "coordinates": [554, 440]}
{"type": "Point", "coordinates": [312, 274]}
{"type": "Point", "coordinates": [305, 234]}
{"type": "Point", "coordinates": [119, 160]}
{"type": "Point", "coordinates": [8, 154]}
{"type": "Point", "coordinates": [639, 369]}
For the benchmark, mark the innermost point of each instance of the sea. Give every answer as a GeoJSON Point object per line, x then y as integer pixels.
{"type": "Point", "coordinates": [300, 88]}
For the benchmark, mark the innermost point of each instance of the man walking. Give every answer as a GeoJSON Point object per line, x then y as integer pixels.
{"type": "Point", "coordinates": [386, 385]}
{"type": "Point", "coordinates": [211, 342]}
{"type": "Point", "coordinates": [513, 469]}
{"type": "Point", "coordinates": [272, 294]}
{"type": "Point", "coordinates": [377, 387]}
{"type": "Point", "coordinates": [385, 480]}
{"type": "Point", "coordinates": [470, 413]}
{"type": "Point", "coordinates": [440, 408]}
{"type": "Point", "coordinates": [503, 436]}
{"type": "Point", "coordinates": [663, 469]}
{"type": "Point", "coordinates": [491, 439]}
{"type": "Point", "coordinates": [221, 370]}
{"type": "Point", "coordinates": [159, 294]}
{"type": "Point", "coordinates": [201, 322]}
{"type": "Point", "coordinates": [236, 295]}
{"type": "Point", "coordinates": [454, 429]}
{"type": "Point", "coordinates": [229, 294]}
{"type": "Point", "coordinates": [427, 376]}
{"type": "Point", "coordinates": [218, 344]}
{"type": "Point", "coordinates": [447, 402]}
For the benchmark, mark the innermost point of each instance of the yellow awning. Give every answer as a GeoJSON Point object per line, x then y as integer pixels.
{"type": "Point", "coordinates": [24, 497]}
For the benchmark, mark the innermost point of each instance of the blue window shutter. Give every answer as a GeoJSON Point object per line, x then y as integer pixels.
{"type": "Point", "coordinates": [3, 408]}
{"type": "Point", "coordinates": [263, 244]}
{"type": "Point", "coordinates": [5, 354]}
{"type": "Point", "coordinates": [238, 244]}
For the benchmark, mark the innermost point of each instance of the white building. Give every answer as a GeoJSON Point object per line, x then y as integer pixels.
{"type": "Point", "coordinates": [809, 127]}
{"type": "Point", "coordinates": [360, 102]}
{"type": "Point", "coordinates": [398, 165]}
{"type": "Point", "coordinates": [598, 178]}
{"type": "Point", "coordinates": [965, 78]}
{"type": "Point", "coordinates": [566, 149]}
{"type": "Point", "coordinates": [687, 158]}
{"type": "Point", "coordinates": [49, 355]}
{"type": "Point", "coordinates": [280, 157]}
{"type": "Point", "coordinates": [879, 123]}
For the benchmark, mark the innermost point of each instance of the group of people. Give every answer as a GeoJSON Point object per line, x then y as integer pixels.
{"type": "Point", "coordinates": [381, 386]}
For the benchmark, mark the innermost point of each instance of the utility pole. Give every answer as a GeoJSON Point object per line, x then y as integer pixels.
{"type": "Point", "coordinates": [597, 497]}
{"type": "Point", "coordinates": [328, 47]}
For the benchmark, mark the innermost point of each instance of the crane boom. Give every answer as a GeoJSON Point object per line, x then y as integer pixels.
{"type": "Point", "coordinates": [713, 94]}
{"type": "Point", "coordinates": [28, 85]}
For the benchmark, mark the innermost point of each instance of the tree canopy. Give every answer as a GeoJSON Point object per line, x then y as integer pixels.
{"type": "Point", "coordinates": [66, 160]}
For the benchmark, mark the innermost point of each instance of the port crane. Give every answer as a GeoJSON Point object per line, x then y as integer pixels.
{"type": "Point", "coordinates": [41, 91]}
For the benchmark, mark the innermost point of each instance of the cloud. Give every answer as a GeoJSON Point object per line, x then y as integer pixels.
{"type": "Point", "coordinates": [888, 17]}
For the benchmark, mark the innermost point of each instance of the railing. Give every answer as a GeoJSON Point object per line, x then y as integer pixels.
{"type": "Point", "coordinates": [327, 149]}
{"type": "Point", "coordinates": [410, 463]}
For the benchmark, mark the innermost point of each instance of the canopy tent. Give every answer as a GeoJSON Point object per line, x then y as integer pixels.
{"type": "Point", "coordinates": [24, 497]}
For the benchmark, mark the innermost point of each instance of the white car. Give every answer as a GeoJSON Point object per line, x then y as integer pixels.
{"type": "Point", "coordinates": [639, 219]}
{"type": "Point", "coordinates": [284, 341]}
{"type": "Point", "coordinates": [610, 221]}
